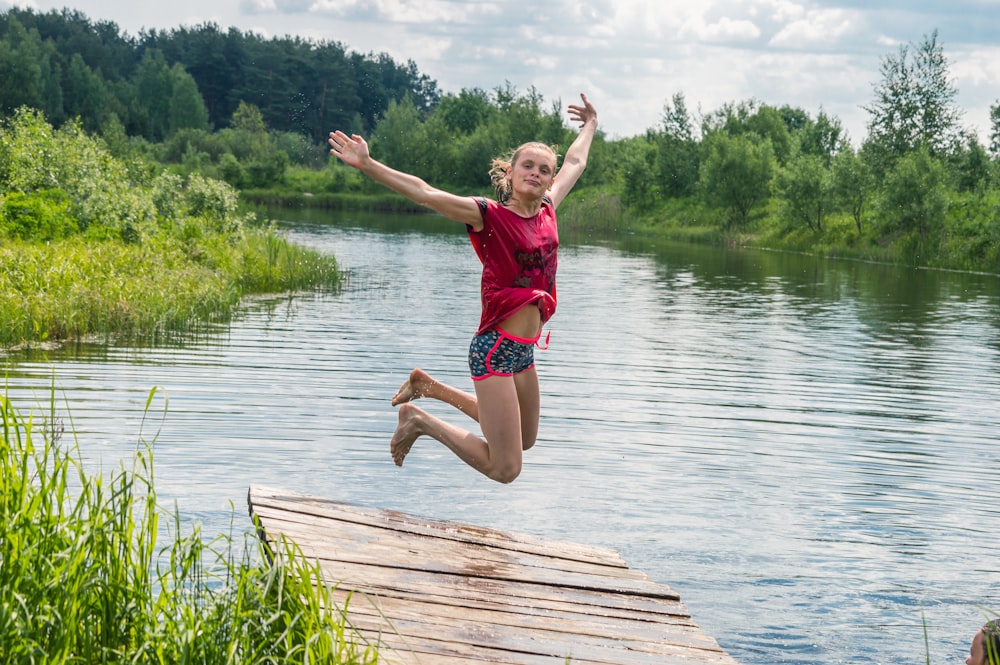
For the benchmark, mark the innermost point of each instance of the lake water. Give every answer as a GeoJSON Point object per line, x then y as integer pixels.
{"type": "Point", "coordinates": [806, 450]}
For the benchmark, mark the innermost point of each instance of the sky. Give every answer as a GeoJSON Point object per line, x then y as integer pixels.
{"type": "Point", "coordinates": [629, 56]}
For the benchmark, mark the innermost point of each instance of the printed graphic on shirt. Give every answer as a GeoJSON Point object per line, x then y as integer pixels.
{"type": "Point", "coordinates": [535, 266]}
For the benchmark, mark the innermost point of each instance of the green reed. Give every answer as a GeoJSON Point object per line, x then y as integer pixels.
{"type": "Point", "coordinates": [82, 581]}
{"type": "Point", "coordinates": [74, 288]}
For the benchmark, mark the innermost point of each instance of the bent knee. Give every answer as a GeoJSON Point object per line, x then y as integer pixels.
{"type": "Point", "coordinates": [506, 474]}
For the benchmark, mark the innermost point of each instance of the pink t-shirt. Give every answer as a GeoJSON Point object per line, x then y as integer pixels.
{"type": "Point", "coordinates": [519, 261]}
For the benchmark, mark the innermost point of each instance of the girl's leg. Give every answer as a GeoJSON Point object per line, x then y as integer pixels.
{"type": "Point", "coordinates": [529, 404]}
{"type": "Point", "coordinates": [421, 384]}
{"type": "Point", "coordinates": [498, 457]}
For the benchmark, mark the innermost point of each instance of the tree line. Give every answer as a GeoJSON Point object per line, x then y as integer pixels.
{"type": "Point", "coordinates": [918, 187]}
{"type": "Point", "coordinates": [162, 81]}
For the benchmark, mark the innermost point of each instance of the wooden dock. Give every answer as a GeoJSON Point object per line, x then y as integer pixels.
{"type": "Point", "coordinates": [433, 592]}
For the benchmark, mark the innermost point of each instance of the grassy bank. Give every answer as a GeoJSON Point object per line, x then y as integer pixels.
{"type": "Point", "coordinates": [96, 245]}
{"type": "Point", "coordinates": [76, 287]}
{"type": "Point", "coordinates": [83, 580]}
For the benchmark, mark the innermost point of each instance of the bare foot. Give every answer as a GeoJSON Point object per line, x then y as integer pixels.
{"type": "Point", "coordinates": [415, 386]}
{"type": "Point", "coordinates": [407, 432]}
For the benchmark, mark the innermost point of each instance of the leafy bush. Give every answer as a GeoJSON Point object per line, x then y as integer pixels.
{"type": "Point", "coordinates": [215, 202]}
{"type": "Point", "coordinates": [102, 191]}
{"type": "Point", "coordinates": [43, 215]}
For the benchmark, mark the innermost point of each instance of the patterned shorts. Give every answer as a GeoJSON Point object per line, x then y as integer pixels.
{"type": "Point", "coordinates": [496, 353]}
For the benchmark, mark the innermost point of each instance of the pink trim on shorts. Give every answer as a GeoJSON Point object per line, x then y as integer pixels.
{"type": "Point", "coordinates": [514, 338]}
{"type": "Point", "coordinates": [520, 340]}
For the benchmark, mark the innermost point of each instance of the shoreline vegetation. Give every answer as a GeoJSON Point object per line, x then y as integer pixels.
{"type": "Point", "coordinates": [80, 550]}
{"type": "Point", "coordinates": [94, 246]}
{"type": "Point", "coordinates": [920, 188]}
{"type": "Point", "coordinates": [601, 211]}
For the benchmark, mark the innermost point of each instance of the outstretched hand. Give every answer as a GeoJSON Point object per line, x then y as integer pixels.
{"type": "Point", "coordinates": [583, 113]}
{"type": "Point", "coordinates": [352, 150]}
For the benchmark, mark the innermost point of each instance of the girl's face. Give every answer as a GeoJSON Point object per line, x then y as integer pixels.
{"type": "Point", "coordinates": [977, 652]}
{"type": "Point", "coordinates": [533, 172]}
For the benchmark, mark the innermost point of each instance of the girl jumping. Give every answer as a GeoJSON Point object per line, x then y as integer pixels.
{"type": "Point", "coordinates": [515, 236]}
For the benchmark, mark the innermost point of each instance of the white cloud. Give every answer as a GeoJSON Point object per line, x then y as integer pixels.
{"type": "Point", "coordinates": [257, 6]}
{"type": "Point", "coordinates": [724, 30]}
{"type": "Point", "coordinates": [784, 11]}
{"type": "Point", "coordinates": [817, 29]}
{"type": "Point", "coordinates": [979, 67]}
{"type": "Point", "coordinates": [406, 11]}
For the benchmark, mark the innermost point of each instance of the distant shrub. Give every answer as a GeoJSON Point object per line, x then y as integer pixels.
{"type": "Point", "coordinates": [43, 215]}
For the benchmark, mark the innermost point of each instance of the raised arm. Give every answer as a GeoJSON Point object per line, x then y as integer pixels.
{"type": "Point", "coordinates": [575, 160]}
{"type": "Point", "coordinates": [353, 151]}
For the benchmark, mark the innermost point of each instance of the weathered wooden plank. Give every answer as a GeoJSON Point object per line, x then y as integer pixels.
{"type": "Point", "coordinates": [586, 604]}
{"type": "Point", "coordinates": [394, 520]}
{"type": "Point", "coordinates": [429, 556]}
{"type": "Point", "coordinates": [516, 597]}
{"type": "Point", "coordinates": [348, 535]}
{"type": "Point", "coordinates": [575, 625]}
{"type": "Point", "coordinates": [439, 593]}
{"type": "Point", "coordinates": [488, 641]}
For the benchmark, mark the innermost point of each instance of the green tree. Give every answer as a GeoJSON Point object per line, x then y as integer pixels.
{"type": "Point", "coordinates": [736, 174]}
{"type": "Point", "coordinates": [637, 172]}
{"type": "Point", "coordinates": [473, 154]}
{"type": "Point", "coordinates": [249, 120]}
{"type": "Point", "coordinates": [21, 55]}
{"type": "Point", "coordinates": [971, 168]}
{"type": "Point", "coordinates": [271, 76]}
{"type": "Point", "coordinates": [187, 108]}
{"type": "Point", "coordinates": [769, 123]}
{"type": "Point", "coordinates": [86, 95]}
{"type": "Point", "coordinates": [806, 186]}
{"type": "Point", "coordinates": [263, 164]}
{"type": "Point", "coordinates": [399, 139]}
{"type": "Point", "coordinates": [100, 43]}
{"type": "Point", "coordinates": [752, 117]}
{"type": "Point", "coordinates": [116, 140]}
{"type": "Point", "coordinates": [914, 194]}
{"type": "Point", "coordinates": [823, 137]}
{"type": "Point", "coordinates": [677, 155]}
{"type": "Point", "coordinates": [333, 92]}
{"type": "Point", "coordinates": [464, 112]}
{"type": "Point", "coordinates": [215, 59]}
{"type": "Point", "coordinates": [914, 105]}
{"type": "Point", "coordinates": [521, 116]}
{"type": "Point", "coordinates": [300, 86]}
{"type": "Point", "coordinates": [153, 91]}
{"type": "Point", "coordinates": [852, 184]}
{"type": "Point", "coordinates": [439, 151]}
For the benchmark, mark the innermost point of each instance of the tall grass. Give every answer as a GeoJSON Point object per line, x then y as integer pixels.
{"type": "Point", "coordinates": [82, 581]}
{"type": "Point", "coordinates": [73, 288]}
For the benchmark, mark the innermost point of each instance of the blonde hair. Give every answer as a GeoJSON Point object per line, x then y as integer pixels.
{"type": "Point", "coordinates": [500, 168]}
